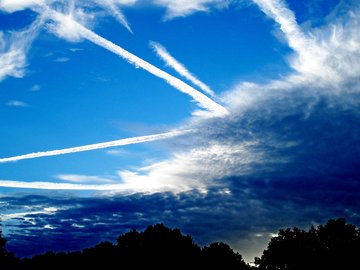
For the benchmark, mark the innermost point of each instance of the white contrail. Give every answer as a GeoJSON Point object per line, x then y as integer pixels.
{"type": "Point", "coordinates": [90, 147]}
{"type": "Point", "coordinates": [59, 186]}
{"type": "Point", "coordinates": [203, 101]}
{"type": "Point", "coordinates": [179, 67]}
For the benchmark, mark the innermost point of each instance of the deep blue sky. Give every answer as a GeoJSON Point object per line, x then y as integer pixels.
{"type": "Point", "coordinates": [285, 153]}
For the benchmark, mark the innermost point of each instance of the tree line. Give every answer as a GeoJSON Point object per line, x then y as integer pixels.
{"type": "Point", "coordinates": [334, 245]}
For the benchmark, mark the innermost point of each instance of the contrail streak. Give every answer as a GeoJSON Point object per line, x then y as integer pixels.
{"type": "Point", "coordinates": [60, 186]}
{"type": "Point", "coordinates": [203, 101]}
{"type": "Point", "coordinates": [179, 67]}
{"type": "Point", "coordinates": [90, 147]}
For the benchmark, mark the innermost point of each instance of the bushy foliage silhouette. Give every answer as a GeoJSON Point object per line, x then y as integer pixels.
{"type": "Point", "coordinates": [335, 245]}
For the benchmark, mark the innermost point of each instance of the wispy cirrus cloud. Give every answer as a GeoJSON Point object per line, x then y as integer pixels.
{"type": "Point", "coordinates": [315, 49]}
{"type": "Point", "coordinates": [13, 50]}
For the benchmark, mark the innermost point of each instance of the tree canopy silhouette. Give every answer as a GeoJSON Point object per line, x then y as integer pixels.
{"type": "Point", "coordinates": [335, 245]}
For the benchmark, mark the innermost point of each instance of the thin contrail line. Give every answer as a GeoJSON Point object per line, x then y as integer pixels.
{"type": "Point", "coordinates": [60, 186]}
{"type": "Point", "coordinates": [90, 147]}
{"type": "Point", "coordinates": [203, 101]}
{"type": "Point", "coordinates": [179, 67]}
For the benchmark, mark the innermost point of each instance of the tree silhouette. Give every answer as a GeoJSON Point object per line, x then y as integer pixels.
{"type": "Point", "coordinates": [158, 247]}
{"type": "Point", "coordinates": [221, 256]}
{"type": "Point", "coordinates": [335, 245]}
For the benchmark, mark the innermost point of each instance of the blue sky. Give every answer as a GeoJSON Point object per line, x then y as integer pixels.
{"type": "Point", "coordinates": [249, 111]}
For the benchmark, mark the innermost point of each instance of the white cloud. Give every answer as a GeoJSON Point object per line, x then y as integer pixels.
{"type": "Point", "coordinates": [17, 103]}
{"type": "Point", "coordinates": [13, 49]}
{"type": "Point", "coordinates": [194, 169]}
{"type": "Point", "coordinates": [12, 62]}
{"type": "Point", "coordinates": [66, 26]}
{"type": "Point", "coordinates": [182, 8]}
{"type": "Point", "coordinates": [325, 56]}
{"type": "Point", "coordinates": [16, 5]}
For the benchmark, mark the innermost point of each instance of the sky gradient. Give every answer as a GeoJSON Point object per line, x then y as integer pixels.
{"type": "Point", "coordinates": [227, 119]}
